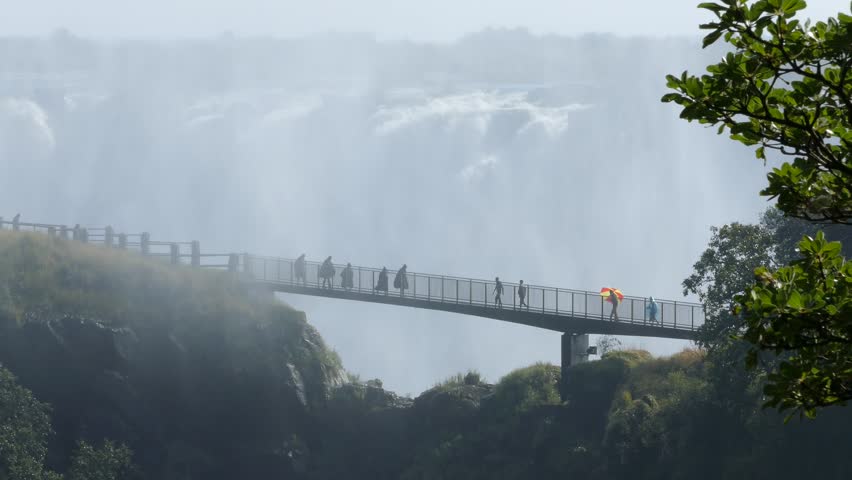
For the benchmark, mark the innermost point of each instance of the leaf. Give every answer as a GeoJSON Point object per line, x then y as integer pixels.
{"type": "Point", "coordinates": [711, 38]}
{"type": "Point", "coordinates": [713, 7]}
{"type": "Point", "coordinates": [795, 300]}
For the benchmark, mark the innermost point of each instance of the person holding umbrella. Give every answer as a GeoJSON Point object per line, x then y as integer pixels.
{"type": "Point", "coordinates": [613, 296]}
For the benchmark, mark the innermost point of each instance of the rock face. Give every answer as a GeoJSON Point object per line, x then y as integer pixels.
{"type": "Point", "coordinates": [199, 377]}
{"type": "Point", "coordinates": [182, 400]}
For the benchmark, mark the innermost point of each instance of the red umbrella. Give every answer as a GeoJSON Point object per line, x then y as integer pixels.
{"type": "Point", "coordinates": [605, 293]}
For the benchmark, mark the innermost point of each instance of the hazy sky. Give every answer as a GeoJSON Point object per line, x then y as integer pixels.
{"type": "Point", "coordinates": [432, 20]}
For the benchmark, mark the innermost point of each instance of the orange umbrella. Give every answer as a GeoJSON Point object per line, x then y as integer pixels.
{"type": "Point", "coordinates": [605, 293]}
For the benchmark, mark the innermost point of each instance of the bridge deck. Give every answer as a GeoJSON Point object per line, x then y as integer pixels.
{"type": "Point", "coordinates": [561, 310]}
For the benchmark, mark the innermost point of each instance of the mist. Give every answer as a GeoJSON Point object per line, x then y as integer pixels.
{"type": "Point", "coordinates": [543, 158]}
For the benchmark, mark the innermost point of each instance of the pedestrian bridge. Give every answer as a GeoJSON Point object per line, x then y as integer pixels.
{"type": "Point", "coordinates": [573, 312]}
{"type": "Point", "coordinates": [559, 309]}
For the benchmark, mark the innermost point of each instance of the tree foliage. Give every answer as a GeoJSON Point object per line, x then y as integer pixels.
{"type": "Point", "coordinates": [109, 462]}
{"type": "Point", "coordinates": [787, 87]}
{"type": "Point", "coordinates": [806, 309]}
{"type": "Point", "coordinates": [24, 432]}
{"type": "Point", "coordinates": [24, 429]}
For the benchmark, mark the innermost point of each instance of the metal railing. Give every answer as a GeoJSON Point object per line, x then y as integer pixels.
{"type": "Point", "coordinates": [442, 289]}
{"type": "Point", "coordinates": [481, 293]}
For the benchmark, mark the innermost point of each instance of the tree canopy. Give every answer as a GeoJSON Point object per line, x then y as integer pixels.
{"type": "Point", "coordinates": [786, 86]}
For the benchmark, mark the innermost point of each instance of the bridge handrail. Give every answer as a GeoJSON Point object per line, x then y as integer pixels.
{"type": "Point", "coordinates": [392, 272]}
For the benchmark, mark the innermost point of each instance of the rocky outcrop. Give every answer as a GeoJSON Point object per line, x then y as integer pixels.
{"type": "Point", "coordinates": [204, 403]}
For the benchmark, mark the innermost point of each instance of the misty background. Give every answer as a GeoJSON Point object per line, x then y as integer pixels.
{"type": "Point", "coordinates": [542, 157]}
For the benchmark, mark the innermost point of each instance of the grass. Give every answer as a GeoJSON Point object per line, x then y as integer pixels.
{"type": "Point", "coordinates": [44, 278]}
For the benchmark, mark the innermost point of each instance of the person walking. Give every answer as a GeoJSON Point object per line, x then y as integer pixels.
{"type": "Point", "coordinates": [346, 277]}
{"type": "Point", "coordinates": [401, 280]}
{"type": "Point", "coordinates": [522, 294]}
{"type": "Point", "coordinates": [327, 273]}
{"type": "Point", "coordinates": [299, 269]}
{"type": "Point", "coordinates": [652, 310]}
{"type": "Point", "coordinates": [382, 284]}
{"type": "Point", "coordinates": [613, 299]}
{"type": "Point", "coordinates": [498, 292]}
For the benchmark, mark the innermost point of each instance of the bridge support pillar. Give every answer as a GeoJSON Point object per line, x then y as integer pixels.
{"type": "Point", "coordinates": [575, 348]}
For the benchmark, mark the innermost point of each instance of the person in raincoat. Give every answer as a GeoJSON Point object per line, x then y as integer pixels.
{"type": "Point", "coordinates": [652, 309]}
{"type": "Point", "coordinates": [326, 272]}
{"type": "Point", "coordinates": [613, 299]}
{"type": "Point", "coordinates": [382, 284]}
{"type": "Point", "coordinates": [401, 280]}
{"type": "Point", "coordinates": [346, 277]}
{"type": "Point", "coordinates": [299, 269]}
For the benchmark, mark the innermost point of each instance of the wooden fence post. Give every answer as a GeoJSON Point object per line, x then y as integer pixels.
{"type": "Point", "coordinates": [196, 253]}
{"type": "Point", "coordinates": [174, 251]}
{"type": "Point", "coordinates": [144, 243]}
{"type": "Point", "coordinates": [247, 264]}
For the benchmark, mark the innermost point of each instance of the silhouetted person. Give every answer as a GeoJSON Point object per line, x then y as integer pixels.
{"type": "Point", "coordinates": [613, 299]}
{"type": "Point", "coordinates": [382, 283]}
{"type": "Point", "coordinates": [299, 269]}
{"type": "Point", "coordinates": [75, 234]}
{"type": "Point", "coordinates": [346, 277]}
{"type": "Point", "coordinates": [522, 294]}
{"type": "Point", "coordinates": [401, 280]}
{"type": "Point", "coordinates": [327, 273]}
{"type": "Point", "coordinates": [16, 222]}
{"type": "Point", "coordinates": [498, 292]}
{"type": "Point", "coordinates": [652, 310]}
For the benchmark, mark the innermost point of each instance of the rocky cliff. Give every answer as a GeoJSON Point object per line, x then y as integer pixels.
{"type": "Point", "coordinates": [201, 377]}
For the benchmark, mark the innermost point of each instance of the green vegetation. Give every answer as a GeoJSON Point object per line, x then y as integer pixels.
{"type": "Point", "coordinates": [631, 416]}
{"type": "Point", "coordinates": [526, 388]}
{"type": "Point", "coordinates": [24, 432]}
{"type": "Point", "coordinates": [254, 387]}
{"type": "Point", "coordinates": [24, 428]}
{"type": "Point", "coordinates": [43, 278]}
{"type": "Point", "coordinates": [786, 88]}
{"type": "Point", "coordinates": [159, 358]}
{"type": "Point", "coordinates": [110, 462]}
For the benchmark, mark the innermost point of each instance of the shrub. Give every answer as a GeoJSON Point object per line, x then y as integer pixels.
{"type": "Point", "coordinates": [526, 388]}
